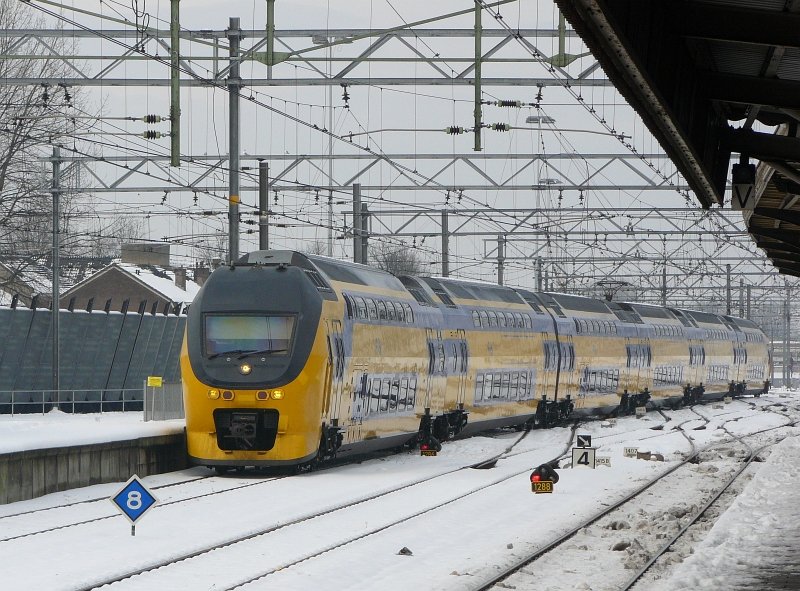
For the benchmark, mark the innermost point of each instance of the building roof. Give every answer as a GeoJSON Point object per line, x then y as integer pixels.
{"type": "Point", "coordinates": [39, 277]}
{"type": "Point", "coordinates": [156, 279]}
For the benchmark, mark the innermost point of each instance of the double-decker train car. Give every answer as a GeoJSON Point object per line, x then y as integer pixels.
{"type": "Point", "coordinates": [291, 358]}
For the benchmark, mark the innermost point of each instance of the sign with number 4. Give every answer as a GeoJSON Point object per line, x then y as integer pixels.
{"type": "Point", "coordinates": [134, 500]}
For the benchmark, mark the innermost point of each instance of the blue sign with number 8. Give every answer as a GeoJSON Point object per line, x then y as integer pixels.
{"type": "Point", "coordinates": [133, 500]}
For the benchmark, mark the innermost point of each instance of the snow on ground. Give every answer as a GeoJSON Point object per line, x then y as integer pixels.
{"type": "Point", "coordinates": [25, 432]}
{"type": "Point", "coordinates": [456, 547]}
{"type": "Point", "coordinates": [757, 540]}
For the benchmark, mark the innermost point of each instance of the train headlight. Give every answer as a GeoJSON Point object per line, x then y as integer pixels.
{"type": "Point", "coordinates": [213, 394]}
{"type": "Point", "coordinates": [245, 368]}
{"type": "Point", "coordinates": [277, 394]}
{"type": "Point", "coordinates": [227, 395]}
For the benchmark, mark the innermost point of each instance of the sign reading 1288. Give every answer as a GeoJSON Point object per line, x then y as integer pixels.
{"type": "Point", "coordinates": [133, 500]}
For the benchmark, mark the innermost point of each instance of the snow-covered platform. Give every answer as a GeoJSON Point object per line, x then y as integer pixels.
{"type": "Point", "coordinates": [41, 454]}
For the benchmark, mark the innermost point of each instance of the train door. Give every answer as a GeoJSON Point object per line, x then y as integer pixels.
{"type": "Point", "coordinates": [646, 370]}
{"type": "Point", "coordinates": [462, 363]}
{"type": "Point", "coordinates": [546, 379]}
{"type": "Point", "coordinates": [568, 384]}
{"type": "Point", "coordinates": [436, 369]}
{"type": "Point", "coordinates": [334, 373]}
{"type": "Point", "coordinates": [358, 402]}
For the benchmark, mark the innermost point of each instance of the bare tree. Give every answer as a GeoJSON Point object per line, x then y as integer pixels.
{"type": "Point", "coordinates": [398, 259]}
{"type": "Point", "coordinates": [317, 247]}
{"type": "Point", "coordinates": [32, 120]}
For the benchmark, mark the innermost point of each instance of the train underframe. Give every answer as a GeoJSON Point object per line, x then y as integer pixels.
{"type": "Point", "coordinates": [249, 429]}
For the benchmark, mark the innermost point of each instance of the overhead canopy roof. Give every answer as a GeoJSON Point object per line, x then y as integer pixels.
{"type": "Point", "coordinates": [700, 74]}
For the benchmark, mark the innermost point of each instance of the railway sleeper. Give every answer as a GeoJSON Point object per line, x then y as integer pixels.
{"type": "Point", "coordinates": [629, 402]}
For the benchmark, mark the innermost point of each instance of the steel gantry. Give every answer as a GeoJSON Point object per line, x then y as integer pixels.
{"type": "Point", "coordinates": [669, 249]}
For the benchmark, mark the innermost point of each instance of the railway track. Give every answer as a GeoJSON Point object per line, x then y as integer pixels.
{"type": "Point", "coordinates": [537, 564]}
{"type": "Point", "coordinates": [341, 512]}
{"type": "Point", "coordinates": [335, 518]}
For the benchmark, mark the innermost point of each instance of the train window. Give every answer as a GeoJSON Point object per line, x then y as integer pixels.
{"type": "Point", "coordinates": [484, 318]}
{"type": "Point", "coordinates": [340, 356]}
{"type": "Point", "coordinates": [348, 305]}
{"type": "Point", "coordinates": [372, 309]}
{"type": "Point", "coordinates": [524, 385]}
{"type": "Point", "coordinates": [510, 322]}
{"type": "Point", "coordinates": [440, 357]}
{"type": "Point", "coordinates": [518, 322]}
{"type": "Point", "coordinates": [497, 380]}
{"type": "Point", "coordinates": [382, 314]}
{"type": "Point", "coordinates": [394, 394]}
{"type": "Point", "coordinates": [365, 394]}
{"type": "Point", "coordinates": [697, 355]}
{"type": "Point", "coordinates": [391, 313]}
{"type": "Point", "coordinates": [502, 321]}
{"type": "Point", "coordinates": [271, 335]}
{"type": "Point", "coordinates": [464, 356]}
{"type": "Point", "coordinates": [476, 319]}
{"type": "Point", "coordinates": [492, 318]}
{"type": "Point", "coordinates": [513, 392]}
{"type": "Point", "coordinates": [384, 406]}
{"type": "Point", "coordinates": [412, 393]}
{"type": "Point", "coordinates": [550, 354]}
{"type": "Point", "coordinates": [374, 396]}
{"type": "Point", "coordinates": [567, 356]}
{"type": "Point", "coordinates": [527, 319]}
{"type": "Point", "coordinates": [479, 387]}
{"type": "Point", "coordinates": [504, 382]}
{"type": "Point", "coordinates": [403, 394]}
{"type": "Point", "coordinates": [361, 307]}
{"type": "Point", "coordinates": [409, 313]}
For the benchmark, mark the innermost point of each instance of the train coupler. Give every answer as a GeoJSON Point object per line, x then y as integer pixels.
{"type": "Point", "coordinates": [737, 388]}
{"type": "Point", "coordinates": [628, 403]}
{"type": "Point", "coordinates": [692, 394]}
{"type": "Point", "coordinates": [550, 413]}
{"type": "Point", "coordinates": [330, 442]}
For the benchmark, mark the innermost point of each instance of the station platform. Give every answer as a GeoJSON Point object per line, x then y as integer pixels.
{"type": "Point", "coordinates": [42, 454]}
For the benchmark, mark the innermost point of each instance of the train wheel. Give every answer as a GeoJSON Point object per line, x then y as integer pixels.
{"type": "Point", "coordinates": [221, 470]}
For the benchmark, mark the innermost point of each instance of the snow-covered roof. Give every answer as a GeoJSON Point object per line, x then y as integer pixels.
{"type": "Point", "coordinates": [161, 280]}
{"type": "Point", "coordinates": [39, 276]}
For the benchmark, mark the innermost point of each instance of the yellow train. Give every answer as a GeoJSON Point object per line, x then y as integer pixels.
{"type": "Point", "coordinates": [291, 358]}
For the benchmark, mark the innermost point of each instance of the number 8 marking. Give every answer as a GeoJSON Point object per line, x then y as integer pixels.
{"type": "Point", "coordinates": [134, 500]}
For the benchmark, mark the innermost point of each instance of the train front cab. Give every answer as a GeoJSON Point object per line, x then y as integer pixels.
{"type": "Point", "coordinates": [253, 367]}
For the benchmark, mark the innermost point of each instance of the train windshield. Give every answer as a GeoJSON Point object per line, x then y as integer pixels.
{"type": "Point", "coordinates": [242, 335]}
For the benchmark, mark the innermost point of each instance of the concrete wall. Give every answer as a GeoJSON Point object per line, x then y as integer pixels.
{"type": "Point", "coordinates": [29, 474]}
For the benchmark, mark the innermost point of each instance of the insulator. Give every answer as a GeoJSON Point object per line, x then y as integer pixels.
{"type": "Point", "coordinates": [500, 126]}
{"type": "Point", "coordinates": [151, 135]}
{"type": "Point", "coordinates": [507, 103]}
{"type": "Point", "coordinates": [454, 130]}
{"type": "Point", "coordinates": [152, 119]}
